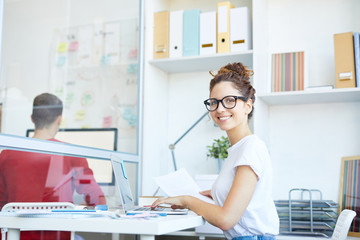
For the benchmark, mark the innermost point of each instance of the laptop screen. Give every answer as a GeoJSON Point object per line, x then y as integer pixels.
{"type": "Point", "coordinates": [122, 183]}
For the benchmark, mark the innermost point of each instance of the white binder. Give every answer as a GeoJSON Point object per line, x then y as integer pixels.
{"type": "Point", "coordinates": [176, 34]}
{"type": "Point", "coordinates": [208, 33]}
{"type": "Point", "coordinates": [240, 29]}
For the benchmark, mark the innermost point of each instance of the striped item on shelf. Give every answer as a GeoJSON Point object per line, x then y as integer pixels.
{"type": "Point", "coordinates": [287, 72]}
{"type": "Point", "coordinates": [351, 190]}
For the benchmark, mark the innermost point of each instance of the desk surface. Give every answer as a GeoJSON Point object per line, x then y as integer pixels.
{"type": "Point", "coordinates": [151, 226]}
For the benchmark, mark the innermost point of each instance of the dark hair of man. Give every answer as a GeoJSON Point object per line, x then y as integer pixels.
{"type": "Point", "coordinates": [46, 108]}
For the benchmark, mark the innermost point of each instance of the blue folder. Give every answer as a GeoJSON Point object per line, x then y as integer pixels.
{"type": "Point", "coordinates": [191, 32]}
{"type": "Point", "coordinates": [357, 57]}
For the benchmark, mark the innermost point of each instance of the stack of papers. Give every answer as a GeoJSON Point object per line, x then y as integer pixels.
{"type": "Point", "coordinates": [180, 183]}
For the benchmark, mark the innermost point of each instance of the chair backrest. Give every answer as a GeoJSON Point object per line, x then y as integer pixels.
{"type": "Point", "coordinates": [343, 224]}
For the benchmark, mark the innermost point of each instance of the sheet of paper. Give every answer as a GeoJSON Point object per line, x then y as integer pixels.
{"type": "Point", "coordinates": [112, 42]}
{"type": "Point", "coordinates": [180, 183]}
{"type": "Point", "coordinates": [85, 45]}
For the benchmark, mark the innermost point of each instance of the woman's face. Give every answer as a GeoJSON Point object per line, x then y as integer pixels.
{"type": "Point", "coordinates": [228, 119]}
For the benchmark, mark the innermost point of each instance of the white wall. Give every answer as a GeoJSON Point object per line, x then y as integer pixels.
{"type": "Point", "coordinates": [307, 142]}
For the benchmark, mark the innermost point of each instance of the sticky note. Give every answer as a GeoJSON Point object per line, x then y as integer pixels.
{"type": "Point", "coordinates": [61, 60]}
{"type": "Point", "coordinates": [87, 98]}
{"type": "Point", "coordinates": [73, 46]}
{"type": "Point", "coordinates": [107, 121]}
{"type": "Point", "coordinates": [80, 115]}
{"type": "Point", "coordinates": [62, 47]}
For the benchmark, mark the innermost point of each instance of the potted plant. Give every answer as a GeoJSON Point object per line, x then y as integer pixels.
{"type": "Point", "coordinates": [218, 150]}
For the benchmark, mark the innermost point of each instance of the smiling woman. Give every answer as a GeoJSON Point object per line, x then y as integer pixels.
{"type": "Point", "coordinates": [242, 192]}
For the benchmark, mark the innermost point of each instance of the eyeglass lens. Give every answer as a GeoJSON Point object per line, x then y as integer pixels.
{"type": "Point", "coordinates": [228, 102]}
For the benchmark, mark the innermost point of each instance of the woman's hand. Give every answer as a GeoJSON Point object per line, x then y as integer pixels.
{"type": "Point", "coordinates": [174, 202]}
{"type": "Point", "coordinates": [206, 193]}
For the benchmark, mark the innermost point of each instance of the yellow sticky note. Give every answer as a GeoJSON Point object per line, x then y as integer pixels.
{"type": "Point", "coordinates": [80, 115]}
{"type": "Point", "coordinates": [62, 47]}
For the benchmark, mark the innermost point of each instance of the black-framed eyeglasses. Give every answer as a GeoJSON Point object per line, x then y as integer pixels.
{"type": "Point", "coordinates": [228, 102]}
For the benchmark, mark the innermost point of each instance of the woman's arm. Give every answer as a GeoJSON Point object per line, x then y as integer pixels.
{"type": "Point", "coordinates": [235, 204]}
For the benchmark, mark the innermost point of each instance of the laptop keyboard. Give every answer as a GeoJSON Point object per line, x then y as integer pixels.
{"type": "Point", "coordinates": [148, 209]}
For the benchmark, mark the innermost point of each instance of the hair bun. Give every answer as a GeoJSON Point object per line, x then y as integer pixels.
{"type": "Point", "coordinates": [236, 68]}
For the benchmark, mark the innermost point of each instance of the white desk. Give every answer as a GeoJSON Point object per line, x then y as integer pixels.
{"type": "Point", "coordinates": [147, 229]}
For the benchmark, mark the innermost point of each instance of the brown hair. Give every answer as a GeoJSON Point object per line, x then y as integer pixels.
{"type": "Point", "coordinates": [239, 76]}
{"type": "Point", "coordinates": [46, 108]}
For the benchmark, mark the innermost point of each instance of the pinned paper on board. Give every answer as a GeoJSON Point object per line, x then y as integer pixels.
{"type": "Point", "coordinates": [73, 46]}
{"type": "Point", "coordinates": [73, 73]}
{"type": "Point", "coordinates": [107, 121]}
{"type": "Point", "coordinates": [87, 98]}
{"type": "Point", "coordinates": [62, 47]}
{"type": "Point", "coordinates": [112, 42]}
{"type": "Point", "coordinates": [60, 61]}
{"type": "Point", "coordinates": [85, 45]}
{"type": "Point", "coordinates": [80, 115]}
{"type": "Point", "coordinates": [69, 99]}
{"type": "Point", "coordinates": [97, 44]}
{"type": "Point", "coordinates": [130, 116]}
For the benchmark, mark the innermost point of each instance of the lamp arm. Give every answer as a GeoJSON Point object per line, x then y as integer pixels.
{"type": "Point", "coordinates": [192, 126]}
{"type": "Point", "coordinates": [172, 146]}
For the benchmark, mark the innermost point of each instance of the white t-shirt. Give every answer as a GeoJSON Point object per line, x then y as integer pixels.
{"type": "Point", "coordinates": [260, 217]}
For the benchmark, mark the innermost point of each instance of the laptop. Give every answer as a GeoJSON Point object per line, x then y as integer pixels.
{"type": "Point", "coordinates": [126, 197]}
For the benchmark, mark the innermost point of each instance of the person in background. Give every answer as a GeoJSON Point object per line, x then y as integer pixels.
{"type": "Point", "coordinates": [38, 177]}
{"type": "Point", "coordinates": [244, 208]}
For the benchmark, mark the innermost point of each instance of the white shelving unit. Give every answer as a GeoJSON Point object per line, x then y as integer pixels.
{"type": "Point", "coordinates": [312, 96]}
{"type": "Point", "coordinates": [202, 63]}
{"type": "Point", "coordinates": [307, 132]}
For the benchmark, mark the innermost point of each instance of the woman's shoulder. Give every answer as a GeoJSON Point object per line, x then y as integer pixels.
{"type": "Point", "coordinates": [252, 140]}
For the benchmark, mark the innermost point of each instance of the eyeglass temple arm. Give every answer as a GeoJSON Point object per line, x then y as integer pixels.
{"type": "Point", "coordinates": [172, 146]}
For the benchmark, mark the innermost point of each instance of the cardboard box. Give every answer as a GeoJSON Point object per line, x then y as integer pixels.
{"type": "Point", "coordinates": [344, 60]}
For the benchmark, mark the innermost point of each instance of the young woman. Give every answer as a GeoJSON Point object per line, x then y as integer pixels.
{"type": "Point", "coordinates": [242, 192]}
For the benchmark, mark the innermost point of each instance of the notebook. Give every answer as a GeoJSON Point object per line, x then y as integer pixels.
{"type": "Point", "coordinates": [126, 197]}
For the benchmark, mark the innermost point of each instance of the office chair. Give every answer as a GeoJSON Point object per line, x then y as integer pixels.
{"type": "Point", "coordinates": [343, 224]}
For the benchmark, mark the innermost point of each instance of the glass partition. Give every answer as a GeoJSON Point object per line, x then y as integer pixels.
{"type": "Point", "coordinates": [29, 174]}
{"type": "Point", "coordinates": [85, 52]}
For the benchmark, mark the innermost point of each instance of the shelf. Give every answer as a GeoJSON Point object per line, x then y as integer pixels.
{"type": "Point", "coordinates": [312, 96]}
{"type": "Point", "coordinates": [202, 63]}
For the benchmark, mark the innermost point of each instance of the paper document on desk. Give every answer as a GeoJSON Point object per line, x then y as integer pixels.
{"type": "Point", "coordinates": [180, 183]}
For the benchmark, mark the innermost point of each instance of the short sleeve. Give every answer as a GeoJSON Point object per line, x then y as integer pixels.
{"type": "Point", "coordinates": [253, 154]}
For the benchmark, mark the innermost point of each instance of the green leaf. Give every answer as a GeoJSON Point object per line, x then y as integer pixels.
{"type": "Point", "coordinates": [218, 149]}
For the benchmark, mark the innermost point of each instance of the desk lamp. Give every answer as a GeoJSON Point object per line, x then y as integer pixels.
{"type": "Point", "coordinates": [172, 146]}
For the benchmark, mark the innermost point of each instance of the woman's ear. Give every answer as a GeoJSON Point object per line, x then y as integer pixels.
{"type": "Point", "coordinates": [248, 104]}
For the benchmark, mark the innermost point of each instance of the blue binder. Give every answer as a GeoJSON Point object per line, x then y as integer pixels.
{"type": "Point", "coordinates": [191, 32]}
{"type": "Point", "coordinates": [357, 57]}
